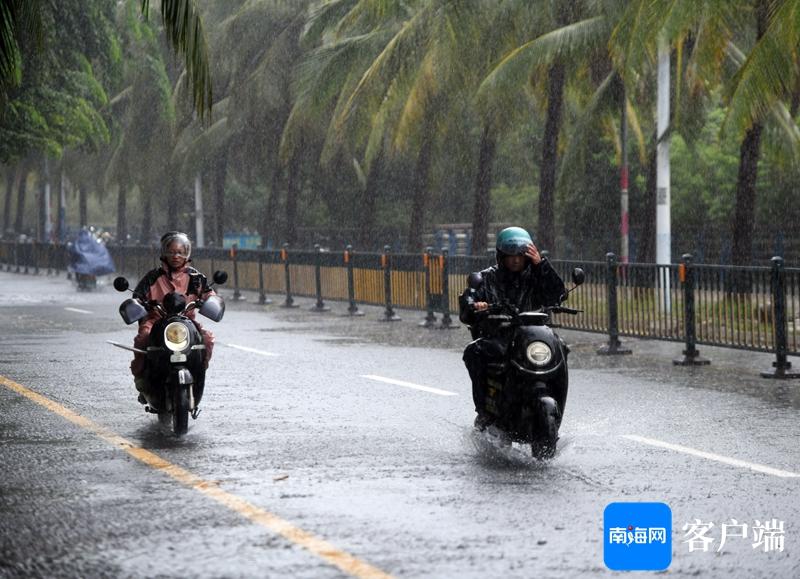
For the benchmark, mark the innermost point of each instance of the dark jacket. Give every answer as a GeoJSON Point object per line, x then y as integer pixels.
{"type": "Point", "coordinates": [532, 288]}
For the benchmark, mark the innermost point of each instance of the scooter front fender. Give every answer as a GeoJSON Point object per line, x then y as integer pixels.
{"type": "Point", "coordinates": [184, 377]}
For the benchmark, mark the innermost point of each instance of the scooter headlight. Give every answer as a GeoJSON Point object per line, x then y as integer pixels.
{"type": "Point", "coordinates": [176, 337]}
{"type": "Point", "coordinates": [539, 353]}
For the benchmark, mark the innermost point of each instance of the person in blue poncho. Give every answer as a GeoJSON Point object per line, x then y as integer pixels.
{"type": "Point", "coordinates": [89, 258]}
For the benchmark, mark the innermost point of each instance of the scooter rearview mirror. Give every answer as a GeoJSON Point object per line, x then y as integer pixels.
{"type": "Point", "coordinates": [475, 280]}
{"type": "Point", "coordinates": [578, 276]}
{"type": "Point", "coordinates": [220, 277]}
{"type": "Point", "coordinates": [121, 284]}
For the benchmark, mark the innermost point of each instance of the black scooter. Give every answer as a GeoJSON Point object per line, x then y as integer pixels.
{"type": "Point", "coordinates": [174, 365]}
{"type": "Point", "coordinates": [527, 390]}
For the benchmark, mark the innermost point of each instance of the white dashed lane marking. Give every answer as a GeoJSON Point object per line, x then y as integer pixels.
{"type": "Point", "coordinates": [251, 350]}
{"type": "Point", "coordinates": [409, 385]}
{"type": "Point", "coordinates": [715, 457]}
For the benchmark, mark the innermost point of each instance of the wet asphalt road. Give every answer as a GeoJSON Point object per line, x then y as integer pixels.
{"type": "Point", "coordinates": [390, 475]}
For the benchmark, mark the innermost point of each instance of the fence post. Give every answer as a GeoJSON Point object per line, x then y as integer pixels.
{"type": "Point", "coordinates": [352, 309]}
{"type": "Point", "coordinates": [691, 357]}
{"type": "Point", "coordinates": [237, 295]}
{"type": "Point", "coordinates": [320, 305]}
{"type": "Point", "coordinates": [386, 262]}
{"type": "Point", "coordinates": [614, 346]}
{"type": "Point", "coordinates": [781, 364]}
{"type": "Point", "coordinates": [27, 257]}
{"type": "Point", "coordinates": [262, 297]}
{"type": "Point", "coordinates": [16, 255]}
{"type": "Point", "coordinates": [447, 323]}
{"type": "Point", "coordinates": [430, 318]}
{"type": "Point", "coordinates": [289, 303]}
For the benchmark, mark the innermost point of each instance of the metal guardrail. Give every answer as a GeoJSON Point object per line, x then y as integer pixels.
{"type": "Point", "coordinates": [749, 308]}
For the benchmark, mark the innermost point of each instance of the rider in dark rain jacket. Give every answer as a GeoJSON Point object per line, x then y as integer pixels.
{"type": "Point", "coordinates": [521, 278]}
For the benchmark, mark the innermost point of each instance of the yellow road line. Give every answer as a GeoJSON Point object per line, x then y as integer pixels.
{"type": "Point", "coordinates": [317, 546]}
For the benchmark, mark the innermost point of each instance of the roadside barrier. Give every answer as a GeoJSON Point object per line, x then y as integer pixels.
{"type": "Point", "coordinates": [748, 308]}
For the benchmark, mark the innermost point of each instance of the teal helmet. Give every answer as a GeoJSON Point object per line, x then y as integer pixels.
{"type": "Point", "coordinates": [513, 241]}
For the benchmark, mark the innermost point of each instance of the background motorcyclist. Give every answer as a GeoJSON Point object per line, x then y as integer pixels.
{"type": "Point", "coordinates": [521, 278]}
{"type": "Point", "coordinates": [174, 275]}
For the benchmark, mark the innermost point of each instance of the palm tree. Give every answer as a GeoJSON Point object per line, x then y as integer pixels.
{"type": "Point", "coordinates": [182, 23]}
{"type": "Point", "coordinates": [342, 39]}
{"type": "Point", "coordinates": [765, 75]}
{"type": "Point", "coordinates": [184, 29]}
{"type": "Point", "coordinates": [561, 31]}
{"type": "Point", "coordinates": [18, 18]}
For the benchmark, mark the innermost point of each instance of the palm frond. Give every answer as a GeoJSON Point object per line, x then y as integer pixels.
{"type": "Point", "coordinates": [324, 17]}
{"type": "Point", "coordinates": [635, 127]}
{"type": "Point", "coordinates": [563, 43]}
{"type": "Point", "coordinates": [405, 48]}
{"type": "Point", "coordinates": [602, 100]}
{"type": "Point", "coordinates": [768, 71]}
{"type": "Point", "coordinates": [184, 29]}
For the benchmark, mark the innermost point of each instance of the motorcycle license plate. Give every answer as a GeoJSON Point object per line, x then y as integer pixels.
{"type": "Point", "coordinates": [177, 358]}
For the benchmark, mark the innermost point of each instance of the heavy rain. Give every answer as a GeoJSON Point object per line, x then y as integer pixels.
{"type": "Point", "coordinates": [423, 288]}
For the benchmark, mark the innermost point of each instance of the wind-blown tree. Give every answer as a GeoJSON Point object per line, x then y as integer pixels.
{"type": "Point", "coordinates": [719, 36]}
{"type": "Point", "coordinates": [58, 104]}
{"type": "Point", "coordinates": [19, 19]}
{"type": "Point", "coordinates": [261, 41]}
{"type": "Point", "coordinates": [430, 64]}
{"type": "Point", "coordinates": [182, 23]}
{"type": "Point", "coordinates": [342, 39]}
{"type": "Point", "coordinates": [522, 65]}
{"type": "Point", "coordinates": [145, 123]}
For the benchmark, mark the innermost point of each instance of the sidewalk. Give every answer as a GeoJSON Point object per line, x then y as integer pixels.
{"type": "Point", "coordinates": [731, 370]}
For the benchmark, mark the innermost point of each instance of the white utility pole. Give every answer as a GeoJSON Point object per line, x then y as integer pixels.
{"type": "Point", "coordinates": [198, 211]}
{"type": "Point", "coordinates": [624, 224]}
{"type": "Point", "coordinates": [48, 214]}
{"type": "Point", "coordinates": [663, 223]}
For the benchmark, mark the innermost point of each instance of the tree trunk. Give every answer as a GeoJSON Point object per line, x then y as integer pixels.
{"type": "Point", "coordinates": [147, 222]}
{"type": "Point", "coordinates": [122, 209]}
{"type": "Point", "coordinates": [83, 212]}
{"type": "Point", "coordinates": [749, 152]}
{"type": "Point", "coordinates": [366, 238]}
{"type": "Point", "coordinates": [11, 178]}
{"type": "Point", "coordinates": [41, 226]}
{"type": "Point", "coordinates": [483, 191]}
{"type": "Point", "coordinates": [45, 230]}
{"type": "Point", "coordinates": [292, 193]}
{"type": "Point", "coordinates": [547, 178]}
{"type": "Point", "coordinates": [742, 246]}
{"type": "Point", "coordinates": [61, 226]}
{"type": "Point", "coordinates": [220, 172]}
{"type": "Point", "coordinates": [172, 204]}
{"type": "Point", "coordinates": [646, 252]}
{"type": "Point", "coordinates": [269, 231]}
{"type": "Point", "coordinates": [19, 223]}
{"type": "Point", "coordinates": [421, 172]}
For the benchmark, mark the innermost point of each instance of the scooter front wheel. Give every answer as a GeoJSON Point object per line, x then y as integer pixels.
{"type": "Point", "coordinates": [545, 435]}
{"type": "Point", "coordinates": [180, 411]}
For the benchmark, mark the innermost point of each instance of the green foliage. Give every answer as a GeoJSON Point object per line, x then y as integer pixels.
{"type": "Point", "coordinates": [704, 179]}
{"type": "Point", "coordinates": [61, 96]}
{"type": "Point", "coordinates": [515, 205]}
